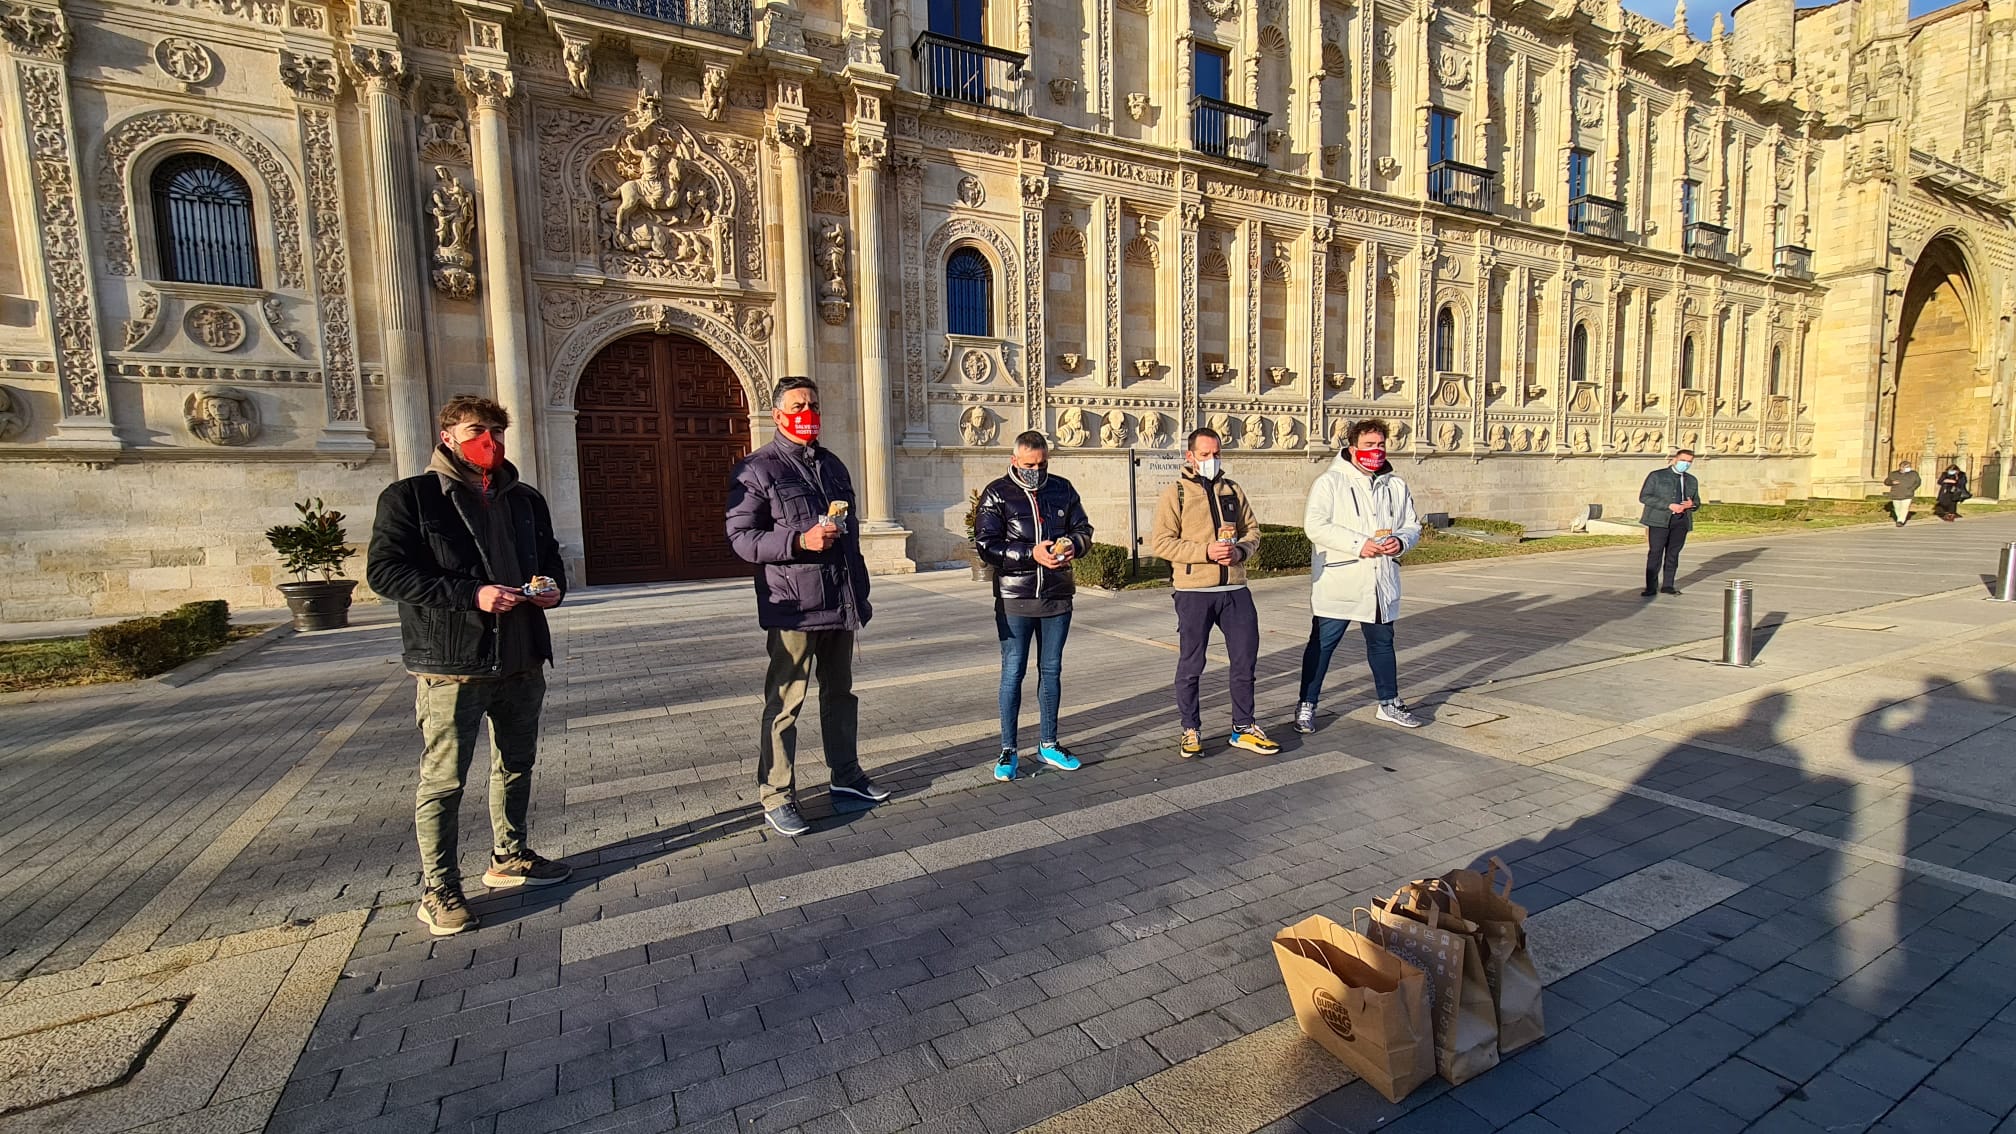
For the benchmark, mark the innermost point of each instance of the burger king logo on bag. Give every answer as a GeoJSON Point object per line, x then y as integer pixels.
{"type": "Point", "coordinates": [1334, 1013]}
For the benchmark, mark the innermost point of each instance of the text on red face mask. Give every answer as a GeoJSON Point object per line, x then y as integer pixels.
{"type": "Point", "coordinates": [1371, 457]}
{"type": "Point", "coordinates": [482, 452]}
{"type": "Point", "coordinates": [802, 425]}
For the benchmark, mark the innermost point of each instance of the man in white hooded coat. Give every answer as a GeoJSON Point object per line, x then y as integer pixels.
{"type": "Point", "coordinates": [1360, 519]}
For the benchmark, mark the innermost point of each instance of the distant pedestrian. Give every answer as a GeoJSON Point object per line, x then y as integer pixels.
{"type": "Point", "coordinates": [1903, 485]}
{"type": "Point", "coordinates": [1952, 493]}
{"type": "Point", "coordinates": [1360, 519]}
{"type": "Point", "coordinates": [467, 551]}
{"type": "Point", "coordinates": [1029, 526]}
{"type": "Point", "coordinates": [788, 506]}
{"type": "Point", "coordinates": [1670, 496]}
{"type": "Point", "coordinates": [1205, 530]}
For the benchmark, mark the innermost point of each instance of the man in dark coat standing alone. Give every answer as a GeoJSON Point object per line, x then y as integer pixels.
{"type": "Point", "coordinates": [1670, 496]}
{"type": "Point", "coordinates": [788, 513]}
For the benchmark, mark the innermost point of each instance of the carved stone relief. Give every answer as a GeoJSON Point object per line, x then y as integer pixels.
{"type": "Point", "coordinates": [831, 251]}
{"type": "Point", "coordinates": [146, 313]}
{"type": "Point", "coordinates": [215, 327]}
{"type": "Point", "coordinates": [977, 427]}
{"type": "Point", "coordinates": [185, 61]}
{"type": "Point", "coordinates": [126, 139]}
{"type": "Point", "coordinates": [13, 413]}
{"type": "Point", "coordinates": [221, 415]}
{"type": "Point", "coordinates": [970, 192]}
{"type": "Point", "coordinates": [444, 135]}
{"type": "Point", "coordinates": [665, 209]}
{"type": "Point", "coordinates": [453, 208]}
{"type": "Point", "coordinates": [1071, 430]}
{"type": "Point", "coordinates": [1113, 434]}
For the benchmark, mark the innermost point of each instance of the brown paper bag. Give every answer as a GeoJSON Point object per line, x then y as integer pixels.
{"type": "Point", "coordinates": [1515, 982]}
{"type": "Point", "coordinates": [1450, 951]}
{"type": "Point", "coordinates": [1365, 1006]}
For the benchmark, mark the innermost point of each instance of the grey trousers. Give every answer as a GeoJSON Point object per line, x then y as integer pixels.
{"type": "Point", "coordinates": [795, 658]}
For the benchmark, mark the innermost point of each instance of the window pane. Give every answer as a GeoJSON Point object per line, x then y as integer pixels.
{"type": "Point", "coordinates": [1687, 191]}
{"type": "Point", "coordinates": [1687, 363]}
{"type": "Point", "coordinates": [1445, 340]}
{"type": "Point", "coordinates": [203, 223]}
{"type": "Point", "coordinates": [969, 294]}
{"type": "Point", "coordinates": [1578, 357]}
{"type": "Point", "coordinates": [1210, 73]}
{"type": "Point", "coordinates": [1441, 136]}
{"type": "Point", "coordinates": [1578, 173]}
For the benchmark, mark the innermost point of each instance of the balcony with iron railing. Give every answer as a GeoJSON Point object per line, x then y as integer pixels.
{"type": "Point", "coordinates": [1793, 262]}
{"type": "Point", "coordinates": [1708, 241]}
{"type": "Point", "coordinates": [1462, 186]}
{"type": "Point", "coordinates": [729, 17]}
{"type": "Point", "coordinates": [972, 73]}
{"type": "Point", "coordinates": [1226, 130]}
{"type": "Point", "coordinates": [1597, 216]}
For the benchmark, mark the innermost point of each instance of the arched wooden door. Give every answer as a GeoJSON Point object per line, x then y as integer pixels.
{"type": "Point", "coordinates": [660, 423]}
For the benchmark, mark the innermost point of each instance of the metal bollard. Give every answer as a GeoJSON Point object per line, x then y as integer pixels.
{"type": "Point", "coordinates": [2005, 576]}
{"type": "Point", "coordinates": [1736, 623]}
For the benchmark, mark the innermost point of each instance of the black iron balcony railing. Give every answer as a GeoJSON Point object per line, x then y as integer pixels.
{"type": "Point", "coordinates": [1794, 261]}
{"type": "Point", "coordinates": [1225, 130]}
{"type": "Point", "coordinates": [1597, 216]}
{"type": "Point", "coordinates": [1462, 186]}
{"type": "Point", "coordinates": [1707, 241]}
{"type": "Point", "coordinates": [972, 73]}
{"type": "Point", "coordinates": [729, 17]}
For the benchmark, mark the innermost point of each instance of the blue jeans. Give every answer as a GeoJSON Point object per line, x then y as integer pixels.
{"type": "Point", "coordinates": [1325, 633]}
{"type": "Point", "coordinates": [1016, 633]}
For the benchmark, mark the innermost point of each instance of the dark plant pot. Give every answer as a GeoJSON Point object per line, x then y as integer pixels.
{"type": "Point", "coordinates": [319, 604]}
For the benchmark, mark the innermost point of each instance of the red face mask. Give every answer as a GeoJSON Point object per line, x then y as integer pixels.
{"type": "Point", "coordinates": [1369, 458]}
{"type": "Point", "coordinates": [482, 451]}
{"type": "Point", "coordinates": [802, 426]}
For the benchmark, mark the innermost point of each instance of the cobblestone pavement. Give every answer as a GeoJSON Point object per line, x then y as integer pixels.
{"type": "Point", "coordinates": [1830, 838]}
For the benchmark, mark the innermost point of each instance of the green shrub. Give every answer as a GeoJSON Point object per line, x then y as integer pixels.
{"type": "Point", "coordinates": [1104, 566]}
{"type": "Point", "coordinates": [1495, 527]}
{"type": "Point", "coordinates": [139, 647]}
{"type": "Point", "coordinates": [1282, 548]}
{"type": "Point", "coordinates": [205, 624]}
{"type": "Point", "coordinates": [313, 544]}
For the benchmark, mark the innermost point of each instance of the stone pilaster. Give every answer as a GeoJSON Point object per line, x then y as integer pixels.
{"type": "Point", "coordinates": [381, 73]}
{"type": "Point", "coordinates": [869, 141]}
{"type": "Point", "coordinates": [490, 84]}
{"type": "Point", "coordinates": [312, 77]}
{"type": "Point", "coordinates": [36, 39]}
{"type": "Point", "coordinates": [791, 134]}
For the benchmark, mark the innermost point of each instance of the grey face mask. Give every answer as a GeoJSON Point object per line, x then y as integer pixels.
{"type": "Point", "coordinates": [1028, 478]}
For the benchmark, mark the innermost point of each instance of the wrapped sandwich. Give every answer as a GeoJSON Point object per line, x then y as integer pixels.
{"type": "Point", "coordinates": [1227, 532]}
{"type": "Point", "coordinates": [836, 512]}
{"type": "Point", "coordinates": [540, 585]}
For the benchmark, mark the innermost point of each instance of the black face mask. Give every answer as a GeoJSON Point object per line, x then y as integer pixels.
{"type": "Point", "coordinates": [1028, 478]}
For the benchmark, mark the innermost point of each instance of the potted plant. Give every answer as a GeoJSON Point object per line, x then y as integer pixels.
{"type": "Point", "coordinates": [315, 544]}
{"type": "Point", "coordinates": [981, 571]}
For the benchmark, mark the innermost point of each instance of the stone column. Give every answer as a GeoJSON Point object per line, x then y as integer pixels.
{"type": "Point", "coordinates": [879, 498]}
{"type": "Point", "coordinates": [37, 38]}
{"type": "Point", "coordinates": [800, 285]}
{"type": "Point", "coordinates": [381, 71]}
{"type": "Point", "coordinates": [490, 88]}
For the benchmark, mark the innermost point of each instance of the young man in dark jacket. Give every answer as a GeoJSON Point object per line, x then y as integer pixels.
{"type": "Point", "coordinates": [467, 551]}
{"type": "Point", "coordinates": [1029, 527]}
{"type": "Point", "coordinates": [1670, 496]}
{"type": "Point", "coordinates": [788, 506]}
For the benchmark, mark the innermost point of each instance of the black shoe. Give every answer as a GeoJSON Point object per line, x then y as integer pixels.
{"type": "Point", "coordinates": [786, 820]}
{"type": "Point", "coordinates": [1648, 592]}
{"type": "Point", "coordinates": [524, 869]}
{"type": "Point", "coordinates": [1669, 590]}
{"type": "Point", "coordinates": [861, 793]}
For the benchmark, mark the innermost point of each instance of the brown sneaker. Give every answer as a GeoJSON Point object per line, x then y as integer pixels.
{"type": "Point", "coordinates": [524, 869]}
{"type": "Point", "coordinates": [446, 912]}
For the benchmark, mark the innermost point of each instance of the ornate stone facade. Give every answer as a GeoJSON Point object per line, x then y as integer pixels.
{"type": "Point", "coordinates": [1789, 245]}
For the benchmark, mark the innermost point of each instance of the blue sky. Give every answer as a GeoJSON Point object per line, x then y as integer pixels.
{"type": "Point", "coordinates": [1701, 13]}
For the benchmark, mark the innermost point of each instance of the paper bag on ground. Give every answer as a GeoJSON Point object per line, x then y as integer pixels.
{"type": "Point", "coordinates": [1515, 982]}
{"type": "Point", "coordinates": [1450, 951]}
{"type": "Point", "coordinates": [1365, 1006]}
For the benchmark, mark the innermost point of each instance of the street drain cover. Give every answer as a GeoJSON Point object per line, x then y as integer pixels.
{"type": "Point", "coordinates": [79, 1056]}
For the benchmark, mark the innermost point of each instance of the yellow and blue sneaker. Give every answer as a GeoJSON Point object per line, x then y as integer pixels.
{"type": "Point", "coordinates": [1253, 739]}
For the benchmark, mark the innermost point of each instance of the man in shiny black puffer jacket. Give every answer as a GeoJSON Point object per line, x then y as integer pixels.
{"type": "Point", "coordinates": [1029, 527]}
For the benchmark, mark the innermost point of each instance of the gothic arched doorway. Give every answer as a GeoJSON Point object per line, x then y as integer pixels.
{"type": "Point", "coordinates": [1936, 416]}
{"type": "Point", "coordinates": [660, 422]}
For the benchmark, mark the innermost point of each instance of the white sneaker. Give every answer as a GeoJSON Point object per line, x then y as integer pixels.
{"type": "Point", "coordinates": [1305, 717]}
{"type": "Point", "coordinates": [1396, 711]}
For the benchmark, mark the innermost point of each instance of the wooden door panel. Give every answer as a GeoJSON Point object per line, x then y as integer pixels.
{"type": "Point", "coordinates": [661, 421]}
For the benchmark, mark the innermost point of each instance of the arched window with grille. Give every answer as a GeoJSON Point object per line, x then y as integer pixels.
{"type": "Point", "coordinates": [1578, 354]}
{"type": "Point", "coordinates": [1777, 371]}
{"type": "Point", "coordinates": [1445, 340]}
{"type": "Point", "coordinates": [203, 223]}
{"type": "Point", "coordinates": [969, 293]}
{"type": "Point", "coordinates": [1687, 363]}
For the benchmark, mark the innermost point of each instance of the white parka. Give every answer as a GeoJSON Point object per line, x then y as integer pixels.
{"type": "Point", "coordinates": [1346, 505]}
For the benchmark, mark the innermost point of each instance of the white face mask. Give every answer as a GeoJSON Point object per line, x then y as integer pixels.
{"type": "Point", "coordinates": [1208, 468]}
